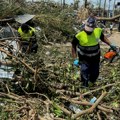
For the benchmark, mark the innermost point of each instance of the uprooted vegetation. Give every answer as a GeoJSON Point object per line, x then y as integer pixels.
{"type": "Point", "coordinates": [46, 84]}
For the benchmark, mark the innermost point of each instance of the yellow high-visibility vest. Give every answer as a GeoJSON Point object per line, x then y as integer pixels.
{"type": "Point", "coordinates": [26, 36]}
{"type": "Point", "coordinates": [89, 40]}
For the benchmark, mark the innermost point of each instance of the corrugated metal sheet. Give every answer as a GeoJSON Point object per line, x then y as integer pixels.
{"type": "Point", "coordinates": [24, 18]}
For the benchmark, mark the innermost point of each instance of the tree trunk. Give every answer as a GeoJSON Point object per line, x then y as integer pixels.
{"type": "Point", "coordinates": [76, 4]}
{"type": "Point", "coordinates": [85, 3]}
{"type": "Point", "coordinates": [114, 8]}
{"type": "Point", "coordinates": [63, 3]}
{"type": "Point", "coordinates": [104, 8]}
{"type": "Point", "coordinates": [99, 7]}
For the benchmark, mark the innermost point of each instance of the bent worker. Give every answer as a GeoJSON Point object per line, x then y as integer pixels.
{"type": "Point", "coordinates": [86, 44]}
{"type": "Point", "coordinates": [28, 42]}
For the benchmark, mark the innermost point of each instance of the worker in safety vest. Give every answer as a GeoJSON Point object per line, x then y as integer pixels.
{"type": "Point", "coordinates": [28, 42]}
{"type": "Point", "coordinates": [86, 44]}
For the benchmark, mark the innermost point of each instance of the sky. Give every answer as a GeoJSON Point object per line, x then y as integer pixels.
{"type": "Point", "coordinates": [94, 2]}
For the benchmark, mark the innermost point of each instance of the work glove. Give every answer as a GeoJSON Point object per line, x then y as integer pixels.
{"type": "Point", "coordinates": [113, 47]}
{"type": "Point", "coordinates": [76, 62]}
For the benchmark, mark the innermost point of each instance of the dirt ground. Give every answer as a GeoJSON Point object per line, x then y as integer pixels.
{"type": "Point", "coordinates": [115, 38]}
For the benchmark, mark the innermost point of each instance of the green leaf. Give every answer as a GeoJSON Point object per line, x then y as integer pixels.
{"type": "Point", "coordinates": [115, 104]}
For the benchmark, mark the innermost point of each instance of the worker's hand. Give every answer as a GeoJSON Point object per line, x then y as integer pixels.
{"type": "Point", "coordinates": [76, 62]}
{"type": "Point", "coordinates": [113, 47]}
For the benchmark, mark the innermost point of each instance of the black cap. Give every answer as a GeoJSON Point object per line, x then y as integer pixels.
{"type": "Point", "coordinates": [91, 21]}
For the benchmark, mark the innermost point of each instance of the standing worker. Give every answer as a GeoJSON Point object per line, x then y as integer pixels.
{"type": "Point", "coordinates": [28, 42]}
{"type": "Point", "coordinates": [86, 44]}
{"type": "Point", "coordinates": [111, 28]}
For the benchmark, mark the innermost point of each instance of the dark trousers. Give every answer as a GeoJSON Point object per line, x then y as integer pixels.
{"type": "Point", "coordinates": [89, 70]}
{"type": "Point", "coordinates": [33, 47]}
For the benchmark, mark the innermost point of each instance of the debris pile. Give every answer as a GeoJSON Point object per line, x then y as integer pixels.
{"type": "Point", "coordinates": [46, 85]}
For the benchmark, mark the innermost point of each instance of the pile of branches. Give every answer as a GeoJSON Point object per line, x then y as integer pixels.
{"type": "Point", "coordinates": [56, 23]}
{"type": "Point", "coordinates": [46, 84]}
{"type": "Point", "coordinates": [9, 8]}
{"type": "Point", "coordinates": [47, 87]}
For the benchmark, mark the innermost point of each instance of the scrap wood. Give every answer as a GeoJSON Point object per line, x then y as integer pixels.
{"type": "Point", "coordinates": [91, 109]}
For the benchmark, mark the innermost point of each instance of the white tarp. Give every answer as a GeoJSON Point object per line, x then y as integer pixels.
{"type": "Point", "coordinates": [24, 18]}
{"type": "Point", "coordinates": [4, 72]}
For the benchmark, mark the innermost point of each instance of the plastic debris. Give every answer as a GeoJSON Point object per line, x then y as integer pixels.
{"type": "Point", "coordinates": [93, 100]}
{"type": "Point", "coordinates": [74, 108]}
{"type": "Point", "coordinates": [76, 62]}
{"type": "Point", "coordinates": [4, 72]}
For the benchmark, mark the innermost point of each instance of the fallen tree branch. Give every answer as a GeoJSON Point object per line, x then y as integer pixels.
{"type": "Point", "coordinates": [90, 110]}
{"type": "Point", "coordinates": [109, 85]}
{"type": "Point", "coordinates": [7, 20]}
{"type": "Point", "coordinates": [98, 115]}
{"type": "Point", "coordinates": [109, 19]}
{"type": "Point", "coordinates": [10, 38]}
{"type": "Point", "coordinates": [87, 104]}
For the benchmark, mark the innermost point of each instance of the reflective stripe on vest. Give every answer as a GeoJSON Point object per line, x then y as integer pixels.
{"type": "Point", "coordinates": [88, 54]}
{"type": "Point", "coordinates": [26, 36]}
{"type": "Point", "coordinates": [89, 40]}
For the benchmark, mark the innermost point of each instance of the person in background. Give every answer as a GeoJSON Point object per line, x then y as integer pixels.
{"type": "Point", "coordinates": [28, 42]}
{"type": "Point", "coordinates": [85, 46]}
{"type": "Point", "coordinates": [111, 28]}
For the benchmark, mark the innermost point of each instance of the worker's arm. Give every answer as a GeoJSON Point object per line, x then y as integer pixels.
{"type": "Point", "coordinates": [33, 37]}
{"type": "Point", "coordinates": [74, 47]}
{"type": "Point", "coordinates": [105, 40]}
